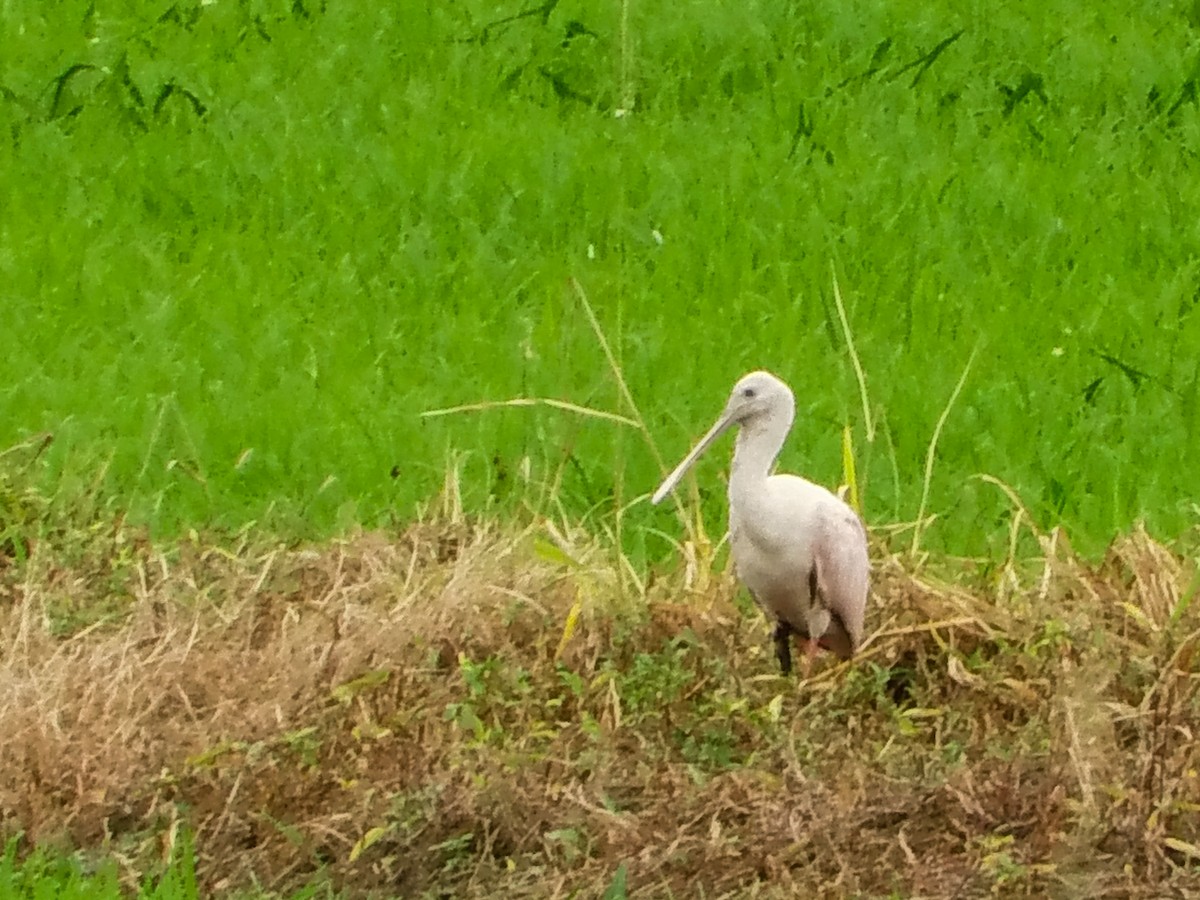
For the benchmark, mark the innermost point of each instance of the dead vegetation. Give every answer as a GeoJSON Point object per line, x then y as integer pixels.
{"type": "Point", "coordinates": [461, 711]}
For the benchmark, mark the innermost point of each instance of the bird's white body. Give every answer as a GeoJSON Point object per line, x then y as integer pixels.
{"type": "Point", "coordinates": [800, 550]}
{"type": "Point", "coordinates": [784, 531]}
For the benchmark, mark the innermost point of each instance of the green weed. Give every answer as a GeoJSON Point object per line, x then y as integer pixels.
{"type": "Point", "coordinates": [46, 873]}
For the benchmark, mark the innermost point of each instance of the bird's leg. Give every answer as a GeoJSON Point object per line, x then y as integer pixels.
{"type": "Point", "coordinates": [810, 653]}
{"type": "Point", "coordinates": [783, 647]}
{"type": "Point", "coordinates": [818, 617]}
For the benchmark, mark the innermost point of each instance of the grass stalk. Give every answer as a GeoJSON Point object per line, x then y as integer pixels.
{"type": "Point", "coordinates": [931, 453]}
{"type": "Point", "coordinates": [859, 374]}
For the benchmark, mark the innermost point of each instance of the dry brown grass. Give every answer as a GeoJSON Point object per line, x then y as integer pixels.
{"type": "Point", "coordinates": [388, 713]}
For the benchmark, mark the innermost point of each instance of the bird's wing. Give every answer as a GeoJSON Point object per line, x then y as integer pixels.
{"type": "Point", "coordinates": [842, 570]}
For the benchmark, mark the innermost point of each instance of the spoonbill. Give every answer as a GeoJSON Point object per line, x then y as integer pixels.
{"type": "Point", "coordinates": [800, 550]}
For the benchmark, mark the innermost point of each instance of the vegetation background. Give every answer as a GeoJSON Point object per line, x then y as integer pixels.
{"type": "Point", "coordinates": [246, 244]}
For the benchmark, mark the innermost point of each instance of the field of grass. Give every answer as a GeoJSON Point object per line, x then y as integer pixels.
{"type": "Point", "coordinates": [46, 875]}
{"type": "Point", "coordinates": [246, 244]}
{"type": "Point", "coordinates": [250, 594]}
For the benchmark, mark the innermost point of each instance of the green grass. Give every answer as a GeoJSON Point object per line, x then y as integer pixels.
{"type": "Point", "coordinates": [46, 874]}
{"type": "Point", "coordinates": [249, 243]}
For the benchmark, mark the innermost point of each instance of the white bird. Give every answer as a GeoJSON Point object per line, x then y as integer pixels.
{"type": "Point", "coordinates": [800, 550]}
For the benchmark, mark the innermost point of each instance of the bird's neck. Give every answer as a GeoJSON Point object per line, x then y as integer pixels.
{"type": "Point", "coordinates": [758, 445]}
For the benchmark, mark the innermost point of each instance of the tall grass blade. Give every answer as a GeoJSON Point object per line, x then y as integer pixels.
{"type": "Point", "coordinates": [859, 374]}
{"type": "Point", "coordinates": [849, 470]}
{"type": "Point", "coordinates": [932, 451]}
{"type": "Point", "coordinates": [564, 405]}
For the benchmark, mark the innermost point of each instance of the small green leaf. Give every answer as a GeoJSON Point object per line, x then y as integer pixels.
{"type": "Point", "coordinates": [1180, 846]}
{"type": "Point", "coordinates": [569, 628]}
{"type": "Point", "coordinates": [348, 690]}
{"type": "Point", "coordinates": [206, 758]}
{"type": "Point", "coordinates": [552, 553]}
{"type": "Point", "coordinates": [775, 707]}
{"type": "Point", "coordinates": [616, 888]}
{"type": "Point", "coordinates": [363, 843]}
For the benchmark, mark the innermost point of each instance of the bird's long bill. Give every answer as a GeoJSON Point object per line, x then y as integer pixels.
{"type": "Point", "coordinates": [674, 478]}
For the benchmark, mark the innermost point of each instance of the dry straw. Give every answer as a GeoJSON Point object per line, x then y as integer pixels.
{"type": "Point", "coordinates": [402, 713]}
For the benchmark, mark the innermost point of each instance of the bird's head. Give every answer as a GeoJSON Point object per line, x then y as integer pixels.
{"type": "Point", "coordinates": [758, 401]}
{"type": "Point", "coordinates": [756, 396]}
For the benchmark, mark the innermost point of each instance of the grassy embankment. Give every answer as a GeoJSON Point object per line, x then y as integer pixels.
{"type": "Point", "coordinates": [465, 710]}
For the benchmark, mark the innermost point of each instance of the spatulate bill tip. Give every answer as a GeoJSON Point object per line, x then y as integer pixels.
{"type": "Point", "coordinates": [668, 485]}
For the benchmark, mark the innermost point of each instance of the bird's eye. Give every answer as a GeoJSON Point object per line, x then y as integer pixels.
{"type": "Point", "coordinates": [748, 393]}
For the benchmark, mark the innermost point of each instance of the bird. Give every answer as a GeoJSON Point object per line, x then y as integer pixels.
{"type": "Point", "coordinates": [800, 550]}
